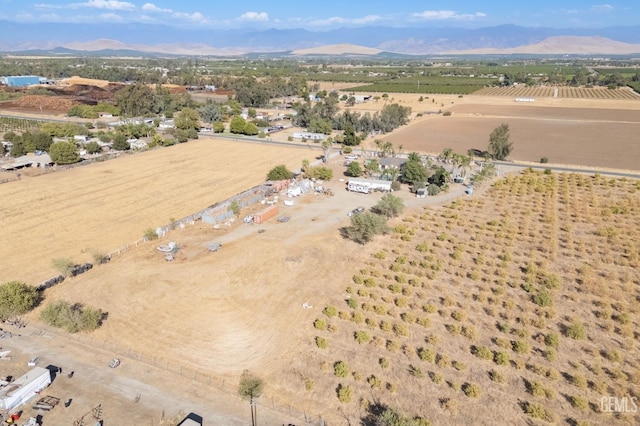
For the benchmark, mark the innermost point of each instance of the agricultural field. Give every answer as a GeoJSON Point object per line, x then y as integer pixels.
{"type": "Point", "coordinates": [99, 208]}
{"type": "Point", "coordinates": [519, 305]}
{"type": "Point", "coordinates": [564, 92]}
{"type": "Point", "coordinates": [426, 84]}
{"type": "Point", "coordinates": [18, 125]}
{"type": "Point", "coordinates": [600, 134]}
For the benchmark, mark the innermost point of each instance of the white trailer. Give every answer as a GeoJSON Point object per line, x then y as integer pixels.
{"type": "Point", "coordinates": [368, 185]}
{"type": "Point", "coordinates": [21, 390]}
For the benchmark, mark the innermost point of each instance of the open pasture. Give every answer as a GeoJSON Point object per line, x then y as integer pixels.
{"type": "Point", "coordinates": [522, 91]}
{"type": "Point", "coordinates": [104, 206]}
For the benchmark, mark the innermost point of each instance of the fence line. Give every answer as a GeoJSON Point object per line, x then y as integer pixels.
{"type": "Point", "coordinates": [197, 375]}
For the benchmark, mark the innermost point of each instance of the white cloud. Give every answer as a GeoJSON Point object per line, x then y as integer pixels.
{"type": "Point", "coordinates": [150, 7]}
{"type": "Point", "coordinates": [338, 20]}
{"type": "Point", "coordinates": [440, 15]}
{"type": "Point", "coordinates": [105, 4]}
{"type": "Point", "coordinates": [254, 16]}
{"type": "Point", "coordinates": [602, 8]}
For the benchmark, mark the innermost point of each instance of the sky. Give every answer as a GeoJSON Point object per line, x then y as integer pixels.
{"type": "Point", "coordinates": [325, 15]}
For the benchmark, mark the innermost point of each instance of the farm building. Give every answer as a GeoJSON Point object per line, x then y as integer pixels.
{"type": "Point", "coordinates": [21, 390]}
{"type": "Point", "coordinates": [367, 185]}
{"type": "Point", "coordinates": [43, 160]}
{"type": "Point", "coordinates": [21, 81]}
{"type": "Point", "coordinates": [309, 136]}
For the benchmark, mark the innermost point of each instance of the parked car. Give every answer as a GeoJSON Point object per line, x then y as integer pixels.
{"type": "Point", "coordinates": [248, 218]}
{"type": "Point", "coordinates": [283, 219]}
{"type": "Point", "coordinates": [114, 362]}
{"type": "Point", "coordinates": [356, 211]}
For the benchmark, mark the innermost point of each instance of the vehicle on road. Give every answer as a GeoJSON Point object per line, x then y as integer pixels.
{"type": "Point", "coordinates": [356, 211]}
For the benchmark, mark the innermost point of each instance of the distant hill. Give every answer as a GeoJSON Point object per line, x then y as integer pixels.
{"type": "Point", "coordinates": [419, 40]}
{"type": "Point", "coordinates": [337, 49]}
{"type": "Point", "coordinates": [565, 45]}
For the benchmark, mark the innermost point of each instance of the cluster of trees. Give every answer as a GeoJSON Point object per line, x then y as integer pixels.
{"type": "Point", "coordinates": [323, 118]}
{"type": "Point", "coordinates": [28, 142]}
{"type": "Point", "coordinates": [138, 100]}
{"type": "Point", "coordinates": [253, 93]}
{"type": "Point", "coordinates": [17, 298]}
{"type": "Point", "coordinates": [92, 111]}
{"type": "Point", "coordinates": [366, 225]}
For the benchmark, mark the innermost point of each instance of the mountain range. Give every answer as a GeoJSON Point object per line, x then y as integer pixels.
{"type": "Point", "coordinates": [158, 39]}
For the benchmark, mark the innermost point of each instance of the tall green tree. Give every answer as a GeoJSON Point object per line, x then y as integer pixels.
{"type": "Point", "coordinates": [499, 143]}
{"type": "Point", "coordinates": [64, 153]}
{"type": "Point", "coordinates": [187, 119]}
{"type": "Point", "coordinates": [354, 169]}
{"type": "Point", "coordinates": [279, 173]}
{"type": "Point", "coordinates": [17, 298]}
{"type": "Point", "coordinates": [135, 100]}
{"type": "Point", "coordinates": [237, 125]}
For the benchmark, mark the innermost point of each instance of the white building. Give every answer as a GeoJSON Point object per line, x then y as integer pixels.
{"type": "Point", "coordinates": [21, 390]}
{"type": "Point", "coordinates": [308, 136]}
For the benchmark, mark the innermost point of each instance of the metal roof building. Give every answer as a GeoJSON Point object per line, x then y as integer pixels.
{"type": "Point", "coordinates": [21, 81]}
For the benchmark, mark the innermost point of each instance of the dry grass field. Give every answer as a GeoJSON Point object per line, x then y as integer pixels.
{"type": "Point", "coordinates": [104, 206]}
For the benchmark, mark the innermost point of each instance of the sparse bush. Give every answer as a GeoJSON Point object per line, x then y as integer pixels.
{"type": "Point", "coordinates": [578, 380]}
{"type": "Point", "coordinates": [330, 311]}
{"type": "Point", "coordinates": [579, 402]}
{"type": "Point", "coordinates": [309, 385]}
{"type": "Point", "coordinates": [400, 329]}
{"type": "Point", "coordinates": [416, 371]}
{"type": "Point", "coordinates": [374, 382]}
{"type": "Point", "coordinates": [392, 346]}
{"type": "Point", "coordinates": [362, 337]}
{"type": "Point", "coordinates": [427, 354]}
{"type": "Point", "coordinates": [345, 393]}
{"type": "Point", "coordinates": [521, 346]}
{"type": "Point", "coordinates": [321, 342]}
{"type": "Point", "coordinates": [471, 390]}
{"type": "Point", "coordinates": [352, 303]}
{"type": "Point", "coordinates": [482, 352]}
{"type": "Point", "coordinates": [320, 324]}
{"type": "Point", "coordinates": [501, 358]}
{"type": "Point", "coordinates": [496, 376]}
{"type": "Point", "coordinates": [150, 234]}
{"type": "Point", "coordinates": [552, 339]}
{"type": "Point", "coordinates": [341, 369]}
{"type": "Point", "coordinates": [71, 317]}
{"type": "Point", "coordinates": [537, 411]}
{"type": "Point", "coordinates": [436, 377]}
{"type": "Point", "coordinates": [459, 315]}
{"type": "Point", "coordinates": [384, 363]}
{"type": "Point", "coordinates": [65, 265]}
{"type": "Point", "coordinates": [576, 331]}
{"type": "Point", "coordinates": [443, 361]}
{"type": "Point", "coordinates": [543, 298]}
{"type": "Point", "coordinates": [458, 365]}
